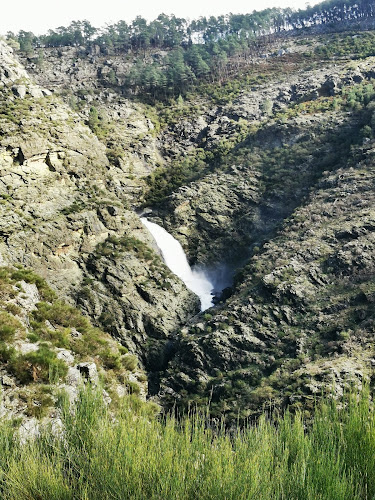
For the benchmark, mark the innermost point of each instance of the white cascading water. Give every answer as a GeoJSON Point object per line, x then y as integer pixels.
{"type": "Point", "coordinates": [175, 258]}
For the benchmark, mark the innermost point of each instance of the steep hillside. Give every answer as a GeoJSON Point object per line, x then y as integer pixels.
{"type": "Point", "coordinates": [301, 312]}
{"type": "Point", "coordinates": [266, 173]}
{"type": "Point", "coordinates": [65, 213]}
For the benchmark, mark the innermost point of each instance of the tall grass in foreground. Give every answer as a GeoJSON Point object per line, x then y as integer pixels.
{"type": "Point", "coordinates": [137, 456]}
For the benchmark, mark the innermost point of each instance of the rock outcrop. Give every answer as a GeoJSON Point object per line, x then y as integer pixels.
{"type": "Point", "coordinates": [63, 204]}
{"type": "Point", "coordinates": [301, 314]}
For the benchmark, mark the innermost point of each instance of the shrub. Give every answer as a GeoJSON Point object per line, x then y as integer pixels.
{"type": "Point", "coordinates": [132, 387]}
{"type": "Point", "coordinates": [136, 455]}
{"type": "Point", "coordinates": [111, 360]}
{"type": "Point", "coordinates": [61, 314]}
{"type": "Point", "coordinates": [129, 362]}
{"type": "Point", "coordinates": [13, 308]}
{"type": "Point", "coordinates": [30, 277]}
{"type": "Point", "coordinates": [38, 400]}
{"type": "Point", "coordinates": [39, 366]}
{"type": "Point", "coordinates": [8, 326]}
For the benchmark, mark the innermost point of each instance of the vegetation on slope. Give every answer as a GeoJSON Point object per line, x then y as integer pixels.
{"type": "Point", "coordinates": [167, 66]}
{"type": "Point", "coordinates": [200, 50]}
{"type": "Point", "coordinates": [245, 145]}
{"type": "Point", "coordinates": [41, 338]}
{"type": "Point", "coordinates": [138, 456]}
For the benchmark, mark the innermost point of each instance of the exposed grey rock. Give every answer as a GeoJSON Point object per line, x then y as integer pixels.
{"type": "Point", "coordinates": [72, 391]}
{"type": "Point", "coordinates": [37, 93]}
{"type": "Point", "coordinates": [106, 397]}
{"type": "Point", "coordinates": [19, 90]}
{"type": "Point", "coordinates": [49, 325]}
{"type": "Point", "coordinates": [26, 348]}
{"type": "Point", "coordinates": [75, 333]}
{"type": "Point", "coordinates": [7, 381]}
{"type": "Point", "coordinates": [65, 356]}
{"type": "Point", "coordinates": [57, 427]}
{"type": "Point", "coordinates": [28, 430]}
{"type": "Point", "coordinates": [29, 296]}
{"type": "Point", "coordinates": [89, 372]}
{"type": "Point", "coordinates": [73, 377]}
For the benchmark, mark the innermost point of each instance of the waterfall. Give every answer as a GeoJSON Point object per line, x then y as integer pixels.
{"type": "Point", "coordinates": [175, 258]}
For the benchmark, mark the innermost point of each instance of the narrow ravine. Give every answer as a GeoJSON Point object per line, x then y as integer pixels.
{"type": "Point", "coordinates": [174, 257]}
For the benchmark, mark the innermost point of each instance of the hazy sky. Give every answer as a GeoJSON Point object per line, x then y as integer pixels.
{"type": "Point", "coordinates": [40, 15]}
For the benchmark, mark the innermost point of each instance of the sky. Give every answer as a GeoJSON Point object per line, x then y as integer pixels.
{"type": "Point", "coordinates": [39, 16]}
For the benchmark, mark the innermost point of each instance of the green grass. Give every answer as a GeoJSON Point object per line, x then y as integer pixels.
{"type": "Point", "coordinates": [140, 456]}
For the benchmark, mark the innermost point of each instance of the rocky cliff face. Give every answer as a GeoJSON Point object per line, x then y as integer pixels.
{"type": "Point", "coordinates": [64, 213]}
{"type": "Point", "coordinates": [223, 216]}
{"type": "Point", "coordinates": [294, 196]}
{"type": "Point", "coordinates": [270, 170]}
{"type": "Point", "coordinates": [273, 179]}
{"type": "Point", "coordinates": [301, 315]}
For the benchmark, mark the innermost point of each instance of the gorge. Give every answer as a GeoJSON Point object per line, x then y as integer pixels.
{"type": "Point", "coordinates": [256, 157]}
{"type": "Point", "coordinates": [187, 258]}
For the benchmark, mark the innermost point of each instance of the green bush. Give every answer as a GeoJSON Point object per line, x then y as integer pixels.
{"type": "Point", "coordinates": [30, 277]}
{"type": "Point", "coordinates": [38, 399]}
{"type": "Point", "coordinates": [132, 387]}
{"type": "Point", "coordinates": [39, 366]}
{"type": "Point", "coordinates": [8, 326]}
{"type": "Point", "coordinates": [61, 314]}
{"type": "Point", "coordinates": [111, 360]}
